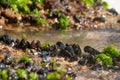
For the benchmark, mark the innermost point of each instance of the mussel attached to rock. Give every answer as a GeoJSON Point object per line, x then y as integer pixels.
{"type": "Point", "coordinates": [6, 39]}
{"type": "Point", "coordinates": [91, 50]}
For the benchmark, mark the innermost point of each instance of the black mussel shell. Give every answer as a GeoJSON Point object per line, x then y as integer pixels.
{"type": "Point", "coordinates": [43, 54]}
{"type": "Point", "coordinates": [77, 49]}
{"type": "Point", "coordinates": [23, 44]}
{"type": "Point", "coordinates": [17, 43]}
{"type": "Point", "coordinates": [92, 51]}
{"type": "Point", "coordinates": [7, 39]}
{"type": "Point", "coordinates": [60, 45]}
{"type": "Point", "coordinates": [113, 11]}
{"type": "Point", "coordinates": [97, 67]}
{"type": "Point", "coordinates": [43, 71]}
{"type": "Point", "coordinates": [38, 44]}
{"type": "Point", "coordinates": [70, 50]}
{"type": "Point", "coordinates": [82, 61]}
{"type": "Point", "coordinates": [33, 44]}
{"type": "Point", "coordinates": [99, 19]}
{"type": "Point", "coordinates": [53, 51]}
{"type": "Point", "coordinates": [76, 18]}
{"type": "Point", "coordinates": [72, 74]}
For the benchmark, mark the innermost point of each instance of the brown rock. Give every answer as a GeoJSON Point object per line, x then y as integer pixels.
{"type": "Point", "coordinates": [118, 21]}
{"type": "Point", "coordinates": [2, 21]}
{"type": "Point", "coordinates": [12, 16]}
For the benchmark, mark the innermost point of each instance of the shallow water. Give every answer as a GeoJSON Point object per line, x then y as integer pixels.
{"type": "Point", "coordinates": [96, 39]}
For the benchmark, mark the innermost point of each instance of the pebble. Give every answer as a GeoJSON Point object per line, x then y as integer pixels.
{"type": "Point", "coordinates": [118, 77]}
{"type": "Point", "coordinates": [1, 26]}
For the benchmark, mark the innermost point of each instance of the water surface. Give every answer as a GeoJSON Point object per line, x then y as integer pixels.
{"type": "Point", "coordinates": [96, 39]}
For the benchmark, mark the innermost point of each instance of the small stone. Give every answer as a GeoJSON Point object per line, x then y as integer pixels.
{"type": "Point", "coordinates": [118, 77]}
{"type": "Point", "coordinates": [95, 26]}
{"type": "Point", "coordinates": [2, 22]}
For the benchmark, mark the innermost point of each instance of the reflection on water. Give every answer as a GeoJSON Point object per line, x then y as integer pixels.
{"type": "Point", "coordinates": [97, 39]}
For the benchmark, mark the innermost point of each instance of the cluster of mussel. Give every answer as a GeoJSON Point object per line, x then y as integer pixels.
{"type": "Point", "coordinates": [16, 69]}
{"type": "Point", "coordinates": [71, 52]}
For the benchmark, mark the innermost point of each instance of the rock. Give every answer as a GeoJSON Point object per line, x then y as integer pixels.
{"type": "Point", "coordinates": [1, 26]}
{"type": "Point", "coordinates": [2, 21]}
{"type": "Point", "coordinates": [118, 77]}
{"type": "Point", "coordinates": [12, 16]}
{"type": "Point", "coordinates": [118, 21]}
{"type": "Point", "coordinates": [99, 19]}
{"type": "Point", "coordinates": [113, 11]}
{"type": "Point", "coordinates": [2, 66]}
